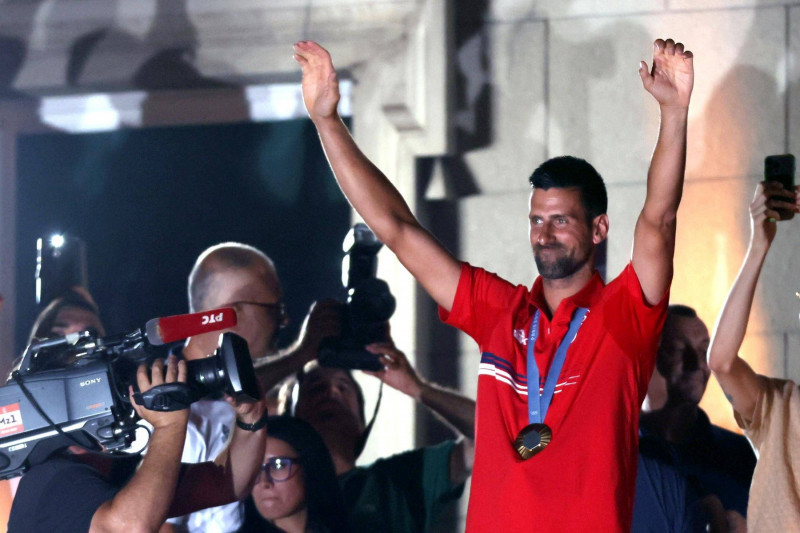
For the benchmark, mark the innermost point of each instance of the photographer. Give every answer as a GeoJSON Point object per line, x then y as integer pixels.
{"type": "Point", "coordinates": [404, 492]}
{"type": "Point", "coordinates": [76, 490]}
{"type": "Point", "coordinates": [765, 408]}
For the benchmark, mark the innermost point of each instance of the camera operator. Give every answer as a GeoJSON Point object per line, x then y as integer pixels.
{"type": "Point", "coordinates": [240, 276]}
{"type": "Point", "coordinates": [404, 492]}
{"type": "Point", "coordinates": [76, 490]}
{"type": "Point", "coordinates": [75, 310]}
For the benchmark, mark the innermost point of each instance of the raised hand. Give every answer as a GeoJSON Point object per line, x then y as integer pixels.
{"type": "Point", "coordinates": [320, 84]}
{"type": "Point", "coordinates": [246, 410]}
{"type": "Point", "coordinates": [397, 371]}
{"type": "Point", "coordinates": [324, 320]}
{"type": "Point", "coordinates": [672, 77]}
{"type": "Point", "coordinates": [769, 199]}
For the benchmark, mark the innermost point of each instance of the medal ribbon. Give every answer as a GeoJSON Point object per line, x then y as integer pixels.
{"type": "Point", "coordinates": [538, 404]}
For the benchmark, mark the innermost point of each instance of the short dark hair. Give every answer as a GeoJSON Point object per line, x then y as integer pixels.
{"type": "Point", "coordinates": [290, 395]}
{"type": "Point", "coordinates": [566, 172]}
{"type": "Point", "coordinates": [681, 310]}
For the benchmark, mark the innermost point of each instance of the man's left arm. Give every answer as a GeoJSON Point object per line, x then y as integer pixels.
{"type": "Point", "coordinates": [670, 82]}
{"type": "Point", "coordinates": [454, 409]}
{"type": "Point", "coordinates": [322, 321]}
{"type": "Point", "coordinates": [231, 475]}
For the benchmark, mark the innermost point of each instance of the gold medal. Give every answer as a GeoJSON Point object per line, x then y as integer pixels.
{"type": "Point", "coordinates": [532, 439]}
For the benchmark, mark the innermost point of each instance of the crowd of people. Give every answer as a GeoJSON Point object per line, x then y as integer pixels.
{"type": "Point", "coordinates": [556, 440]}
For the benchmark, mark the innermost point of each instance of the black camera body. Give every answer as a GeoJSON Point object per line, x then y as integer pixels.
{"type": "Point", "coordinates": [368, 308]}
{"type": "Point", "coordinates": [74, 390]}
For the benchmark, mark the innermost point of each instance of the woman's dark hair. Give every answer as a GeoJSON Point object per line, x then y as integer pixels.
{"type": "Point", "coordinates": [324, 501]}
{"type": "Point", "coordinates": [43, 326]}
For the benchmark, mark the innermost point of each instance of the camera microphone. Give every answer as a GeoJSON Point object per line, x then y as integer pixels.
{"type": "Point", "coordinates": [169, 329]}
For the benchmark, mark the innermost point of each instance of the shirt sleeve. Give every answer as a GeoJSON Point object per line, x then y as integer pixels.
{"type": "Point", "coordinates": [436, 483]}
{"type": "Point", "coordinates": [756, 427]}
{"type": "Point", "coordinates": [404, 492]}
{"type": "Point", "coordinates": [479, 297]}
{"type": "Point", "coordinates": [643, 322]}
{"type": "Point", "coordinates": [646, 318]}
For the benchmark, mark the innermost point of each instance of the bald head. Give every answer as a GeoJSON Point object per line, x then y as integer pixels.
{"type": "Point", "coordinates": [241, 276]}
{"type": "Point", "coordinates": [215, 264]}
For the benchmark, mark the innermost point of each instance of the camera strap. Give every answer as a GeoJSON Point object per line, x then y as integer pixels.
{"type": "Point", "coordinates": [362, 441]}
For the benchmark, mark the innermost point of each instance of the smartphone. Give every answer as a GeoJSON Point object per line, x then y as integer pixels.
{"type": "Point", "coordinates": [780, 168]}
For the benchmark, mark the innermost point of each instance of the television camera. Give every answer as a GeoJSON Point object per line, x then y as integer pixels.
{"type": "Point", "coordinates": [75, 389]}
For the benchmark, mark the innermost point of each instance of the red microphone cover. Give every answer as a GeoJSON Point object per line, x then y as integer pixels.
{"type": "Point", "coordinates": [177, 327]}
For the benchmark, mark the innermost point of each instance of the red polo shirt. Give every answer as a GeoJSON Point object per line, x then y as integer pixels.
{"type": "Point", "coordinates": [585, 479]}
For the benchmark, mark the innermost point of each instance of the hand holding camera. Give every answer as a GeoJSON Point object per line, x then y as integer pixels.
{"type": "Point", "coordinates": [397, 371]}
{"type": "Point", "coordinates": [157, 375]}
{"type": "Point", "coordinates": [364, 317]}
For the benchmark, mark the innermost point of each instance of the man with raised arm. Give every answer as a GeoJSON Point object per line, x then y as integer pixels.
{"type": "Point", "coordinates": [572, 466]}
{"type": "Point", "coordinates": [767, 409]}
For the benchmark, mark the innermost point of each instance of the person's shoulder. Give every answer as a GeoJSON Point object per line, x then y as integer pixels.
{"type": "Point", "coordinates": [56, 466]}
{"type": "Point", "coordinates": [730, 439]}
{"type": "Point", "coordinates": [626, 278]}
{"type": "Point", "coordinates": [51, 477]}
{"type": "Point", "coordinates": [777, 391]}
{"type": "Point", "coordinates": [411, 458]}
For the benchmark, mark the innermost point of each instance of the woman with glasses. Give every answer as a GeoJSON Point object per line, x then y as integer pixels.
{"type": "Point", "coordinates": [296, 490]}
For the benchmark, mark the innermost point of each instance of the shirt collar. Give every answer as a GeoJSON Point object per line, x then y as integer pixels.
{"type": "Point", "coordinates": [586, 297]}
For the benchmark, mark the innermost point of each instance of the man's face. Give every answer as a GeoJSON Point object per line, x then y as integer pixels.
{"type": "Point", "coordinates": [258, 325]}
{"type": "Point", "coordinates": [561, 237]}
{"type": "Point", "coordinates": [328, 400]}
{"type": "Point", "coordinates": [682, 358]}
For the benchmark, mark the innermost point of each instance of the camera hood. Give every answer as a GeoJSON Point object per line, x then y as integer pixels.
{"type": "Point", "coordinates": [238, 365]}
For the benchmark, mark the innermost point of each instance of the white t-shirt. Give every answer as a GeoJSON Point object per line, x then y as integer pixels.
{"type": "Point", "coordinates": [210, 425]}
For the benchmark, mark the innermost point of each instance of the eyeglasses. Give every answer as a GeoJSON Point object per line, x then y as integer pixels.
{"type": "Point", "coordinates": [280, 307]}
{"type": "Point", "coordinates": [279, 469]}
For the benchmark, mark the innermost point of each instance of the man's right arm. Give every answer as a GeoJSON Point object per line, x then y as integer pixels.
{"type": "Point", "coordinates": [455, 409]}
{"type": "Point", "coordinates": [370, 193]}
{"type": "Point", "coordinates": [737, 379]}
{"type": "Point", "coordinates": [142, 504]}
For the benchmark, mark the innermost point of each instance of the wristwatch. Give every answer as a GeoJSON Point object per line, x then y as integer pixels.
{"type": "Point", "coordinates": [259, 424]}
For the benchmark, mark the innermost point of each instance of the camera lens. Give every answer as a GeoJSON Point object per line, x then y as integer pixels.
{"type": "Point", "coordinates": [229, 370]}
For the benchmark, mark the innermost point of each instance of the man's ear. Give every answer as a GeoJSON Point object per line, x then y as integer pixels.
{"type": "Point", "coordinates": [599, 228]}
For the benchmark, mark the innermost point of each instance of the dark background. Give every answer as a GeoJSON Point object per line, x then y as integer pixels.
{"type": "Point", "coordinates": [148, 201]}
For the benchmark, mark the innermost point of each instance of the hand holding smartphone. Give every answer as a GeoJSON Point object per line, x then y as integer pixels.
{"type": "Point", "coordinates": [780, 168]}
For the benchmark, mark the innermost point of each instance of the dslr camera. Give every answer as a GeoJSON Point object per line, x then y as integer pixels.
{"type": "Point", "coordinates": [369, 306]}
{"type": "Point", "coordinates": [75, 390]}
